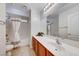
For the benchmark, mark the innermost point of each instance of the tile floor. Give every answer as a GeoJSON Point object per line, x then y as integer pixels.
{"type": "Point", "coordinates": [21, 51]}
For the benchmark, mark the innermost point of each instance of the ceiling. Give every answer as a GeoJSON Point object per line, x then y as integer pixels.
{"type": "Point", "coordinates": [17, 8]}
{"type": "Point", "coordinates": [24, 7]}
{"type": "Point", "coordinates": [37, 6]}
{"type": "Point", "coordinates": [59, 8]}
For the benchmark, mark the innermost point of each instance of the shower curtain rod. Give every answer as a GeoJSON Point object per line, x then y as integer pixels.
{"type": "Point", "coordinates": [18, 20]}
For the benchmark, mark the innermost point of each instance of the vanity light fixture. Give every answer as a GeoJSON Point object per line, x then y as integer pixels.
{"type": "Point", "coordinates": [48, 7]}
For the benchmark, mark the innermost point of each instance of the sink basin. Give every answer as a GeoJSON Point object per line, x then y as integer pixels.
{"type": "Point", "coordinates": [51, 43]}
{"type": "Point", "coordinates": [55, 46]}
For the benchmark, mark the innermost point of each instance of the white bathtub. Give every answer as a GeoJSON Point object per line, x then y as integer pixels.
{"type": "Point", "coordinates": [9, 47]}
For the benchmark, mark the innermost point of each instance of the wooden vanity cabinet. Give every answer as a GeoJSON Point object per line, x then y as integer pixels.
{"type": "Point", "coordinates": [48, 53]}
{"type": "Point", "coordinates": [39, 49]}
{"type": "Point", "coordinates": [34, 45]}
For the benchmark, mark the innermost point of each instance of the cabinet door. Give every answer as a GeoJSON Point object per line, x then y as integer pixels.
{"type": "Point", "coordinates": [36, 47]}
{"type": "Point", "coordinates": [33, 43]}
{"type": "Point", "coordinates": [49, 53]}
{"type": "Point", "coordinates": [41, 50]}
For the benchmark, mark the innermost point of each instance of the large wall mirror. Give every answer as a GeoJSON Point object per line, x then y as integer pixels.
{"type": "Point", "coordinates": [73, 26]}
{"type": "Point", "coordinates": [69, 23]}
{"type": "Point", "coordinates": [65, 24]}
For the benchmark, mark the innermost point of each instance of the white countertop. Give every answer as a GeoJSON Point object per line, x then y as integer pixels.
{"type": "Point", "coordinates": [62, 50]}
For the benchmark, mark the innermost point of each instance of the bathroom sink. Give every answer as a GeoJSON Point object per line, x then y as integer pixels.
{"type": "Point", "coordinates": [55, 47]}
{"type": "Point", "coordinates": [50, 42]}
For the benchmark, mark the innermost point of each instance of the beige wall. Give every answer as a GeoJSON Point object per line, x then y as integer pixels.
{"type": "Point", "coordinates": [2, 30]}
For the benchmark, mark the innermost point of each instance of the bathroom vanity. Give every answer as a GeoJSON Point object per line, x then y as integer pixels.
{"type": "Point", "coordinates": [39, 48]}
{"type": "Point", "coordinates": [47, 46]}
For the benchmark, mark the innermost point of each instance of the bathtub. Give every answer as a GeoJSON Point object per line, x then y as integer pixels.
{"type": "Point", "coordinates": [9, 47]}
